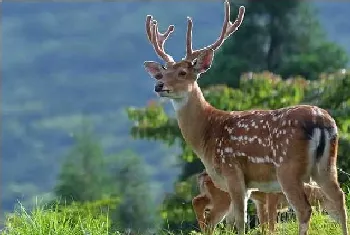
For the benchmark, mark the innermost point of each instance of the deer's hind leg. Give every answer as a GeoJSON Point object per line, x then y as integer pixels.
{"type": "Point", "coordinates": [293, 187]}
{"type": "Point", "coordinates": [325, 175]}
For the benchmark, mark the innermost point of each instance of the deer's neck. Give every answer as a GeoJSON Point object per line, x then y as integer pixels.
{"type": "Point", "coordinates": [192, 114]}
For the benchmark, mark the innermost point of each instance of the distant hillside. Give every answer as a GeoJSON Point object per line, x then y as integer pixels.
{"type": "Point", "coordinates": [62, 61]}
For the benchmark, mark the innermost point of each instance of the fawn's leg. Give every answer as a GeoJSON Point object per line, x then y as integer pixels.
{"type": "Point", "coordinates": [261, 210]}
{"type": "Point", "coordinates": [272, 200]}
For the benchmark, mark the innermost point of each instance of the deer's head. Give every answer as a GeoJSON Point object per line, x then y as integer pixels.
{"type": "Point", "coordinates": [176, 79]}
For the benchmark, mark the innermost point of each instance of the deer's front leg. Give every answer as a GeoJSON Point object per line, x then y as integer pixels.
{"type": "Point", "coordinates": [238, 195]}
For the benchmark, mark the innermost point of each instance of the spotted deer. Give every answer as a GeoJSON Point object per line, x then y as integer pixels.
{"type": "Point", "coordinates": [212, 205]}
{"type": "Point", "coordinates": [272, 150]}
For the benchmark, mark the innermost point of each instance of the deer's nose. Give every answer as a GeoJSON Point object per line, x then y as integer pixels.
{"type": "Point", "coordinates": [159, 87]}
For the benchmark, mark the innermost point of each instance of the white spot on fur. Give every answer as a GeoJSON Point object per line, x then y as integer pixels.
{"type": "Point", "coordinates": [274, 152]}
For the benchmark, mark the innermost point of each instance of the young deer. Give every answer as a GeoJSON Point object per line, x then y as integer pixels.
{"type": "Point", "coordinates": [212, 204]}
{"type": "Point", "coordinates": [272, 150]}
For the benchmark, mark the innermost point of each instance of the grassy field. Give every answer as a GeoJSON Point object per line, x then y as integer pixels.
{"type": "Point", "coordinates": [61, 220]}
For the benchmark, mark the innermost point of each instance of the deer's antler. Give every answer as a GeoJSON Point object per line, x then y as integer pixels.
{"type": "Point", "coordinates": [228, 29]}
{"type": "Point", "coordinates": [157, 39]}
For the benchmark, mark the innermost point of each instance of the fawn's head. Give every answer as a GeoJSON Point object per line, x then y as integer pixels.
{"type": "Point", "coordinates": [203, 179]}
{"type": "Point", "coordinates": [176, 79]}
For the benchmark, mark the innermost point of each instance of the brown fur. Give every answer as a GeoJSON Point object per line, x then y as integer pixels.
{"type": "Point", "coordinates": [270, 150]}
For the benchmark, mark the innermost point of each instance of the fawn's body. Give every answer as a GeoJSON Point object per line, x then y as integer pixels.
{"type": "Point", "coordinates": [272, 150]}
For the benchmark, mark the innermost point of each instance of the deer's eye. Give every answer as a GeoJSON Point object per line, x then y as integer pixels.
{"type": "Point", "coordinates": [182, 73]}
{"type": "Point", "coordinates": [158, 76]}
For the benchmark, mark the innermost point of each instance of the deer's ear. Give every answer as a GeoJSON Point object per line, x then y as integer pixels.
{"type": "Point", "coordinates": [203, 61]}
{"type": "Point", "coordinates": [153, 68]}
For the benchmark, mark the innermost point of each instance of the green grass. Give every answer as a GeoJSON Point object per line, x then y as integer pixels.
{"type": "Point", "coordinates": [58, 220]}
{"type": "Point", "coordinates": [61, 220]}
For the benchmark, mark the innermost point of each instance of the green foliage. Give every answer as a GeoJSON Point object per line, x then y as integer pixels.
{"type": "Point", "coordinates": [285, 39]}
{"type": "Point", "coordinates": [153, 123]}
{"type": "Point", "coordinates": [257, 91]}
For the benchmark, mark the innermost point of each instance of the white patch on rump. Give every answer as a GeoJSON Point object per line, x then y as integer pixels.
{"type": "Point", "coordinates": [313, 144]}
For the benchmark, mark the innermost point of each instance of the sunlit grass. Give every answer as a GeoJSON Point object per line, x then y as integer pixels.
{"type": "Point", "coordinates": [61, 220]}
{"type": "Point", "coordinates": [58, 221]}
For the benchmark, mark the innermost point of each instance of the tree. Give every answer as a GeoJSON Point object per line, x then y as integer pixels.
{"type": "Point", "coordinates": [137, 210]}
{"type": "Point", "coordinates": [82, 174]}
{"type": "Point", "coordinates": [91, 178]}
{"type": "Point", "coordinates": [285, 39]}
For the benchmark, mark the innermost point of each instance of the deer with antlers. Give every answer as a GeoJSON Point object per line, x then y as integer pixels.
{"type": "Point", "coordinates": [212, 205]}
{"type": "Point", "coordinates": [272, 150]}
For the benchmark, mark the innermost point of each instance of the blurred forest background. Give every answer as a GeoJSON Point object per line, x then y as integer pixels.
{"type": "Point", "coordinates": [80, 121]}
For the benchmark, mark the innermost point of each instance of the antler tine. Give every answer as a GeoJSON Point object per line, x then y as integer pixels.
{"type": "Point", "coordinates": [158, 39]}
{"type": "Point", "coordinates": [228, 28]}
{"type": "Point", "coordinates": [149, 18]}
{"type": "Point", "coordinates": [189, 50]}
{"type": "Point", "coordinates": [231, 28]}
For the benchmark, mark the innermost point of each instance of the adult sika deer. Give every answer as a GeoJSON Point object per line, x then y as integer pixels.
{"type": "Point", "coordinates": [272, 150]}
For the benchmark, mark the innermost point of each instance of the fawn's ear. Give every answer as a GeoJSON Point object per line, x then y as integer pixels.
{"type": "Point", "coordinates": [203, 61]}
{"type": "Point", "coordinates": [153, 68]}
